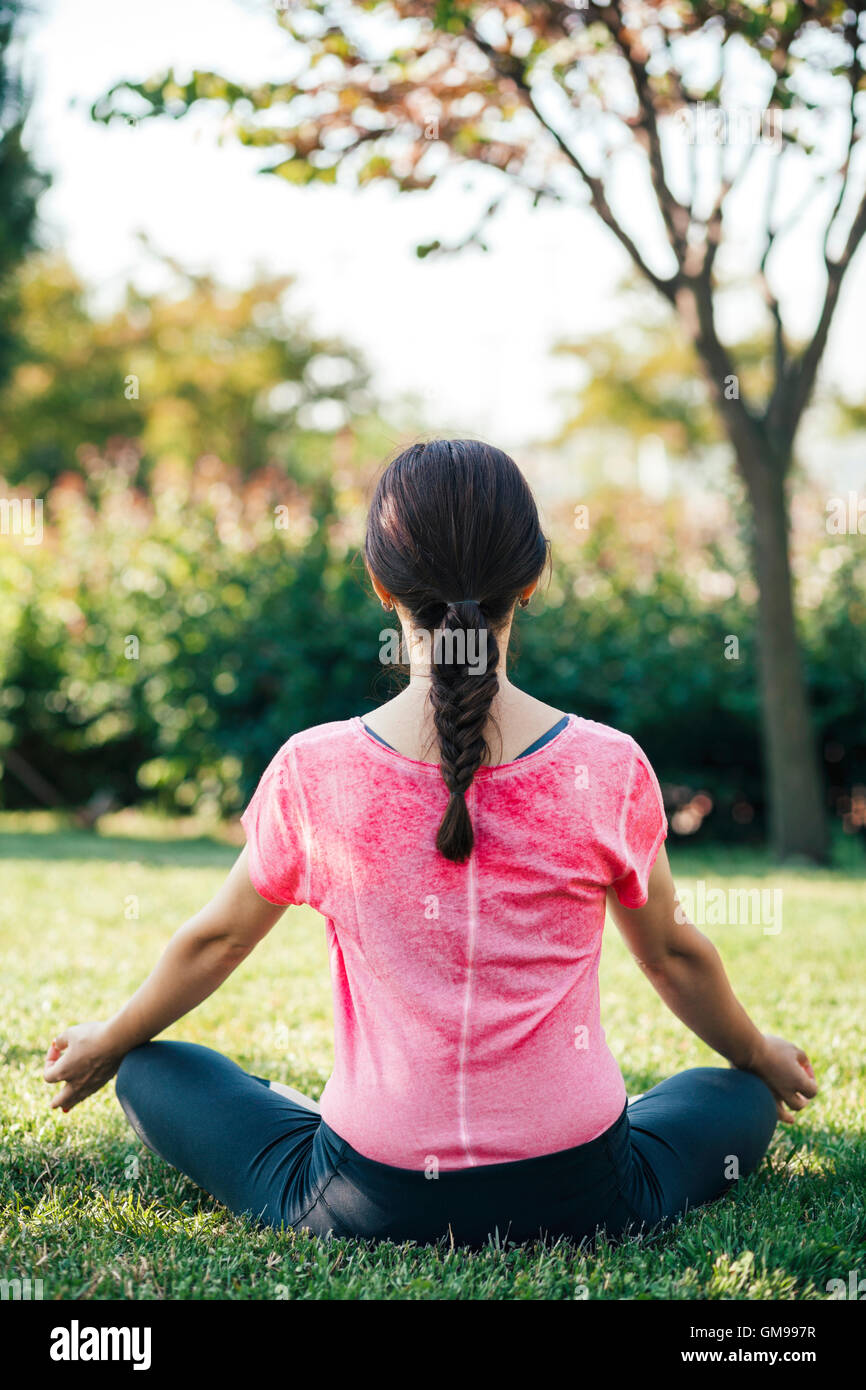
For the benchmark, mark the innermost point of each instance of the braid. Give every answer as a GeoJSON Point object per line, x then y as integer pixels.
{"type": "Point", "coordinates": [461, 695]}
{"type": "Point", "coordinates": [455, 516]}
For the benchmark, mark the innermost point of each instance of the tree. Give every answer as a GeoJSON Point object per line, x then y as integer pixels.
{"type": "Point", "coordinates": [21, 184]}
{"type": "Point", "coordinates": [191, 370]}
{"type": "Point", "coordinates": [556, 97]}
{"type": "Point", "coordinates": [641, 380]}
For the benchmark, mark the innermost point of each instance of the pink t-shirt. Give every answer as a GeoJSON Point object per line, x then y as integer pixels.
{"type": "Point", "coordinates": [466, 1007]}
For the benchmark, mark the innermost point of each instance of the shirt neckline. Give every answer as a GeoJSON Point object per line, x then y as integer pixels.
{"type": "Point", "coordinates": [391, 755]}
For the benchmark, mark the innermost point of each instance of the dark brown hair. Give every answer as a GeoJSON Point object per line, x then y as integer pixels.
{"type": "Point", "coordinates": [453, 535]}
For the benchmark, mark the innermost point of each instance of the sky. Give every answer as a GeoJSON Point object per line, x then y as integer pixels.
{"type": "Point", "coordinates": [468, 336]}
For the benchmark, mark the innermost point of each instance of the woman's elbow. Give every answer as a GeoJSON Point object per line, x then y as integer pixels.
{"type": "Point", "coordinates": [670, 958]}
{"type": "Point", "coordinates": [214, 937]}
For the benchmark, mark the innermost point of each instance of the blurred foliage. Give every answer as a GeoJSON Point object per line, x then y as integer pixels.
{"type": "Point", "coordinates": [643, 377]}
{"type": "Point", "coordinates": [182, 616]}
{"type": "Point", "coordinates": [21, 184]}
{"type": "Point", "coordinates": [197, 369]}
{"type": "Point", "coordinates": [570, 104]}
{"type": "Point", "coordinates": [156, 645]}
{"type": "Point", "coordinates": [163, 644]}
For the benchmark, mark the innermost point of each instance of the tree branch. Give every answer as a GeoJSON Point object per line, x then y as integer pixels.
{"type": "Point", "coordinates": [696, 308]}
{"type": "Point", "coordinates": [674, 214]}
{"type": "Point", "coordinates": [805, 370]}
{"type": "Point", "coordinates": [780, 350]}
{"type": "Point", "coordinates": [855, 75]}
{"type": "Point", "coordinates": [506, 65]}
{"type": "Point", "coordinates": [716, 217]}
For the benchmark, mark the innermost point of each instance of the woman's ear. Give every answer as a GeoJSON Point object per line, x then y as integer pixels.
{"type": "Point", "coordinates": [379, 589]}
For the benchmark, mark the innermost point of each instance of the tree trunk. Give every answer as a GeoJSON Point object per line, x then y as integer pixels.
{"type": "Point", "coordinates": [793, 783]}
{"type": "Point", "coordinates": [794, 786]}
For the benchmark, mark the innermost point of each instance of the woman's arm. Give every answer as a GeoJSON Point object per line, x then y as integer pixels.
{"type": "Point", "coordinates": [196, 961]}
{"type": "Point", "coordinates": [686, 971]}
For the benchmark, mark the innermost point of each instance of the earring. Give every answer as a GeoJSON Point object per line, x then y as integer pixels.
{"type": "Point", "coordinates": [524, 602]}
{"type": "Point", "coordinates": [387, 605]}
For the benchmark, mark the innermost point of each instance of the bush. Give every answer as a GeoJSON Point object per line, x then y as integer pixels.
{"type": "Point", "coordinates": [162, 647]}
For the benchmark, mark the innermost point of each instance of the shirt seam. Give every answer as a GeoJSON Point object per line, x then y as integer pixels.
{"type": "Point", "coordinates": [497, 772]}
{"type": "Point", "coordinates": [472, 890]}
{"type": "Point", "coordinates": [535, 746]}
{"type": "Point", "coordinates": [650, 859]}
{"type": "Point", "coordinates": [305, 823]}
{"type": "Point", "coordinates": [624, 812]}
{"type": "Point", "coordinates": [662, 831]}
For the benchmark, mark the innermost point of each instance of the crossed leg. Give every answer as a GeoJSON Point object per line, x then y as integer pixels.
{"type": "Point", "coordinates": [693, 1136]}
{"type": "Point", "coordinates": [245, 1141]}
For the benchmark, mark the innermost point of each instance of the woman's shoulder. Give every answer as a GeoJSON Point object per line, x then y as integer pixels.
{"type": "Point", "coordinates": [327, 740]}
{"type": "Point", "coordinates": [606, 741]}
{"type": "Point", "coordinates": [334, 735]}
{"type": "Point", "coordinates": [333, 729]}
{"type": "Point", "coordinates": [590, 731]}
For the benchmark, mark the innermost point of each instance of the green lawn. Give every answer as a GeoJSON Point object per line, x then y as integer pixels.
{"type": "Point", "coordinates": [92, 1214]}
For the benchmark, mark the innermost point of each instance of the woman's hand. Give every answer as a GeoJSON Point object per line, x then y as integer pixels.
{"type": "Point", "coordinates": [787, 1071]}
{"type": "Point", "coordinates": [81, 1057]}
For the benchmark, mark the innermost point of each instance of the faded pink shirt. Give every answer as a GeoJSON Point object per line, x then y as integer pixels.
{"type": "Point", "coordinates": [466, 1008]}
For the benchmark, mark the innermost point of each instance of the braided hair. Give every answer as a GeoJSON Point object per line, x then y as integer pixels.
{"type": "Point", "coordinates": [454, 536]}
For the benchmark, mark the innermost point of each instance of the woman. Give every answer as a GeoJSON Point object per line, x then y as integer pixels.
{"type": "Point", "coordinates": [462, 843]}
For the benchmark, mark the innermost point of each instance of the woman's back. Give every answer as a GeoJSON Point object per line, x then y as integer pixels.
{"type": "Point", "coordinates": [467, 1026]}
{"type": "Point", "coordinates": [463, 873]}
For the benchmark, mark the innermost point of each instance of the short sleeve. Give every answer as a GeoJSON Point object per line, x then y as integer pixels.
{"type": "Point", "coordinates": [276, 826]}
{"type": "Point", "coordinates": [643, 827]}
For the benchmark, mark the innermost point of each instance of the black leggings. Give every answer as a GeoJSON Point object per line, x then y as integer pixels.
{"type": "Point", "coordinates": [682, 1144]}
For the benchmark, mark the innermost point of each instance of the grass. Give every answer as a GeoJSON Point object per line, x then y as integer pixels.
{"type": "Point", "coordinates": [90, 1212]}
